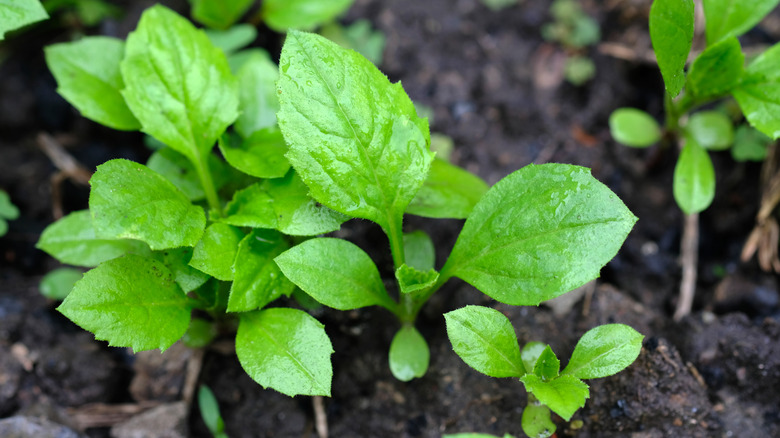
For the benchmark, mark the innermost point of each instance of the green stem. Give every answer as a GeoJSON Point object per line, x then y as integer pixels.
{"type": "Point", "coordinates": [204, 174]}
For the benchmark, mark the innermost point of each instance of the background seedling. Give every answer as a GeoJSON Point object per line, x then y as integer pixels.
{"type": "Point", "coordinates": [574, 30]}
{"type": "Point", "coordinates": [8, 212]}
{"type": "Point", "coordinates": [718, 72]}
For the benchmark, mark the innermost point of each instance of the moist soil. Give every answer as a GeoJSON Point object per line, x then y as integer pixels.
{"type": "Point", "coordinates": [496, 88]}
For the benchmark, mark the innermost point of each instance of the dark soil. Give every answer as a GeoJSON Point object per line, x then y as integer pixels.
{"type": "Point", "coordinates": [495, 87]}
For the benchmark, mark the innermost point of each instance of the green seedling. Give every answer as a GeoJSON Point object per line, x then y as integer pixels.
{"type": "Point", "coordinates": [719, 72]}
{"type": "Point", "coordinates": [209, 411]}
{"type": "Point", "coordinates": [486, 341]}
{"type": "Point", "coordinates": [358, 144]}
{"type": "Point", "coordinates": [8, 212]}
{"type": "Point", "coordinates": [57, 284]}
{"type": "Point", "coordinates": [574, 30]}
{"type": "Point", "coordinates": [19, 13]}
{"type": "Point", "coordinates": [189, 230]}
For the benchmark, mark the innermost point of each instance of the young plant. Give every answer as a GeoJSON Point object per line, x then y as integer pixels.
{"type": "Point", "coordinates": [575, 31]}
{"type": "Point", "coordinates": [357, 143]}
{"type": "Point", "coordinates": [189, 231]}
{"type": "Point", "coordinates": [486, 341]}
{"type": "Point", "coordinates": [717, 73]}
{"type": "Point", "coordinates": [209, 411]}
{"type": "Point", "coordinates": [8, 212]}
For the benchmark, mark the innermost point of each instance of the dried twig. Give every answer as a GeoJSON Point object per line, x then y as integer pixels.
{"type": "Point", "coordinates": [104, 415]}
{"type": "Point", "coordinates": [69, 168]}
{"type": "Point", "coordinates": [764, 238]}
{"type": "Point", "coordinates": [320, 419]}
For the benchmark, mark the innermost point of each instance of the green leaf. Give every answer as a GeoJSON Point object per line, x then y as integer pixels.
{"type": "Point", "coordinates": [129, 200]}
{"type": "Point", "coordinates": [694, 179]}
{"type": "Point", "coordinates": [177, 261]}
{"type": "Point", "coordinates": [219, 14]}
{"type": "Point", "coordinates": [257, 99]}
{"type": "Point", "coordinates": [257, 279]}
{"type": "Point", "coordinates": [448, 192]}
{"type": "Point", "coordinates": [7, 209]}
{"type": "Point", "coordinates": [413, 281]}
{"type": "Point", "coordinates": [179, 170]}
{"type": "Point", "coordinates": [336, 273]}
{"type": "Point", "coordinates": [475, 435]}
{"type": "Point", "coordinates": [727, 18]}
{"type": "Point", "coordinates": [355, 139]}
{"type": "Point", "coordinates": [536, 421]}
{"type": "Point", "coordinates": [209, 410]}
{"type": "Point", "coordinates": [282, 204]}
{"type": "Point", "coordinates": [179, 84]}
{"type": "Point", "coordinates": [72, 240]}
{"type": "Point", "coordinates": [711, 129]}
{"type": "Point", "coordinates": [19, 13]}
{"type": "Point", "coordinates": [233, 38]}
{"type": "Point", "coordinates": [547, 366]}
{"type": "Point", "coordinates": [358, 36]}
{"type": "Point", "coordinates": [563, 395]}
{"type": "Point", "coordinates": [260, 155]}
{"type": "Point", "coordinates": [531, 353]}
{"type": "Point", "coordinates": [717, 70]}
{"type": "Point", "coordinates": [603, 351]}
{"type": "Point", "coordinates": [200, 333]}
{"type": "Point", "coordinates": [409, 354]}
{"type": "Point", "coordinates": [57, 284]}
{"type": "Point", "coordinates": [671, 32]}
{"type": "Point", "coordinates": [88, 76]}
{"type": "Point", "coordinates": [485, 340]}
{"type": "Point", "coordinates": [419, 250]}
{"type": "Point", "coordinates": [538, 233]}
{"type": "Point", "coordinates": [750, 144]}
{"type": "Point", "coordinates": [216, 251]}
{"type": "Point", "coordinates": [759, 93]}
{"type": "Point", "coordinates": [131, 301]}
{"type": "Point", "coordinates": [633, 127]}
{"type": "Point", "coordinates": [281, 15]}
{"type": "Point", "coordinates": [285, 349]}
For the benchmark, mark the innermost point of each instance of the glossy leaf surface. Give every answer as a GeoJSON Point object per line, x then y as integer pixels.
{"type": "Point", "coordinates": [448, 192]}
{"type": "Point", "coordinates": [257, 280]}
{"type": "Point", "coordinates": [409, 354]}
{"type": "Point", "coordinates": [633, 127]}
{"type": "Point", "coordinates": [563, 395]}
{"type": "Point", "coordinates": [538, 233]}
{"type": "Point", "coordinates": [87, 74]}
{"type": "Point", "coordinates": [759, 93]}
{"type": "Point", "coordinates": [281, 15]}
{"type": "Point", "coordinates": [694, 179]}
{"type": "Point", "coordinates": [216, 251]}
{"type": "Point", "coordinates": [547, 366]}
{"type": "Point", "coordinates": [285, 349]}
{"type": "Point", "coordinates": [485, 340]}
{"type": "Point", "coordinates": [717, 70]}
{"type": "Point", "coordinates": [671, 32]}
{"type": "Point", "coordinates": [336, 273]}
{"type": "Point", "coordinates": [603, 351]}
{"type": "Point", "coordinates": [131, 301]}
{"type": "Point", "coordinates": [282, 204]}
{"type": "Point", "coordinates": [727, 18]}
{"type": "Point", "coordinates": [355, 138]}
{"type": "Point", "coordinates": [72, 240]}
{"type": "Point", "coordinates": [129, 200]}
{"type": "Point", "coordinates": [177, 261]}
{"type": "Point", "coordinates": [178, 83]}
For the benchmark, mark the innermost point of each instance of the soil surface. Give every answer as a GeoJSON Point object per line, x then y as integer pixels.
{"type": "Point", "coordinates": [496, 88]}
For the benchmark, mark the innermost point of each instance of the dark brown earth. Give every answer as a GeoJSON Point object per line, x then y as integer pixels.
{"type": "Point", "coordinates": [495, 88]}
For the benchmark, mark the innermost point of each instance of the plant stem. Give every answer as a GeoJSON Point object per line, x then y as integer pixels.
{"type": "Point", "coordinates": [689, 254]}
{"type": "Point", "coordinates": [204, 174]}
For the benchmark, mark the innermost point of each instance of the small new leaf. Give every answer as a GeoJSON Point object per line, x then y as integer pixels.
{"type": "Point", "coordinates": [88, 76]}
{"type": "Point", "coordinates": [538, 233]}
{"type": "Point", "coordinates": [711, 129]}
{"type": "Point", "coordinates": [694, 179]}
{"type": "Point", "coordinates": [409, 354]}
{"type": "Point", "coordinates": [671, 32]}
{"type": "Point", "coordinates": [717, 70]}
{"type": "Point", "coordinates": [129, 200]}
{"type": "Point", "coordinates": [131, 301]}
{"type": "Point", "coordinates": [448, 192]}
{"type": "Point", "coordinates": [260, 155]}
{"type": "Point", "coordinates": [536, 421]}
{"type": "Point", "coordinates": [547, 365]}
{"type": "Point", "coordinates": [285, 349]}
{"type": "Point", "coordinates": [216, 251]}
{"type": "Point", "coordinates": [281, 15]}
{"type": "Point", "coordinates": [530, 354]}
{"type": "Point", "coordinates": [485, 340]}
{"type": "Point", "coordinates": [633, 127]}
{"type": "Point", "coordinates": [563, 395]}
{"type": "Point", "coordinates": [336, 273]}
{"type": "Point", "coordinates": [603, 351]}
{"type": "Point", "coordinates": [257, 280]}
{"type": "Point", "coordinates": [419, 250]}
